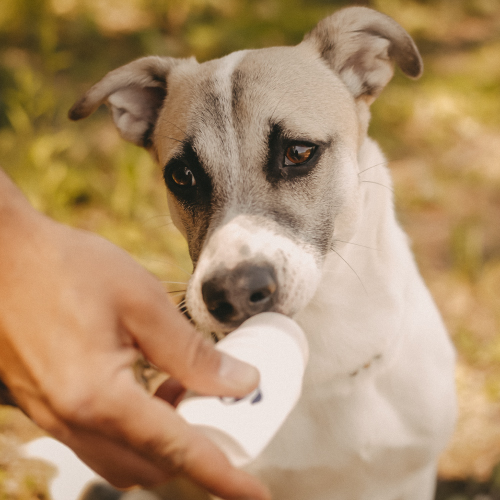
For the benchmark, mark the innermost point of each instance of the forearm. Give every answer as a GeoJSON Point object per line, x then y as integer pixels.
{"type": "Point", "coordinates": [25, 242]}
{"type": "Point", "coordinates": [12, 207]}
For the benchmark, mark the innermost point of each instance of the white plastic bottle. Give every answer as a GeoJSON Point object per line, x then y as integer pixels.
{"type": "Point", "coordinates": [242, 428]}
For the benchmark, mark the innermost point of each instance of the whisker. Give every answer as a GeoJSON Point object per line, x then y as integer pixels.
{"type": "Point", "coordinates": [177, 127]}
{"type": "Point", "coordinates": [174, 282]}
{"type": "Point", "coordinates": [170, 264]}
{"type": "Point", "coordinates": [355, 244]}
{"type": "Point", "coordinates": [175, 296]}
{"type": "Point", "coordinates": [373, 166]}
{"type": "Point", "coordinates": [379, 184]}
{"type": "Point", "coordinates": [149, 220]}
{"type": "Point", "coordinates": [180, 268]}
{"type": "Point", "coordinates": [177, 291]}
{"type": "Point", "coordinates": [278, 103]}
{"type": "Point", "coordinates": [352, 269]}
{"type": "Point", "coordinates": [171, 138]}
{"type": "Point", "coordinates": [286, 116]}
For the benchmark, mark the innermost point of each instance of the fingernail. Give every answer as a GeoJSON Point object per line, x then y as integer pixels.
{"type": "Point", "coordinates": [238, 374]}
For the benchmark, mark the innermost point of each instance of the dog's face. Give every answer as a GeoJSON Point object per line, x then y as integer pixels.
{"type": "Point", "coordinates": [260, 162]}
{"type": "Point", "coordinates": [259, 151]}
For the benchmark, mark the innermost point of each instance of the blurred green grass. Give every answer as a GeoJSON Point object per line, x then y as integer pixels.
{"type": "Point", "coordinates": [441, 134]}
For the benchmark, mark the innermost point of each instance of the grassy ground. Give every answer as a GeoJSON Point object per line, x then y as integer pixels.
{"type": "Point", "coordinates": [441, 134]}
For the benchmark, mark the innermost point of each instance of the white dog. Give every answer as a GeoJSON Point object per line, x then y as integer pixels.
{"type": "Point", "coordinates": [286, 205]}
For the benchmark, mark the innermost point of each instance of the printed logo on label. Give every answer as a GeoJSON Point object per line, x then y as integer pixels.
{"type": "Point", "coordinates": [253, 398]}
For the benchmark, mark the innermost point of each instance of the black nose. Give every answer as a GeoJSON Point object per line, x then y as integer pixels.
{"type": "Point", "coordinates": [233, 296]}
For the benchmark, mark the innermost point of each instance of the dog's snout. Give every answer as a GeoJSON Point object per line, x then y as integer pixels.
{"type": "Point", "coordinates": [234, 296]}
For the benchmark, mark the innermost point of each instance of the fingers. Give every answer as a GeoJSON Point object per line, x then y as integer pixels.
{"type": "Point", "coordinates": [171, 391]}
{"type": "Point", "coordinates": [212, 471]}
{"type": "Point", "coordinates": [157, 434]}
{"type": "Point", "coordinates": [171, 342]}
{"type": "Point", "coordinates": [117, 463]}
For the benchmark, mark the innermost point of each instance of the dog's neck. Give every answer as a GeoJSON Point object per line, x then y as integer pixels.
{"type": "Point", "coordinates": [348, 336]}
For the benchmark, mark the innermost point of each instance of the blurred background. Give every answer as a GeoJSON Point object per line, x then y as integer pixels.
{"type": "Point", "coordinates": [441, 135]}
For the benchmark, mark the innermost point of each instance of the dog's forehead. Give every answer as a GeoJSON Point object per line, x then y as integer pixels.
{"type": "Point", "coordinates": [236, 100]}
{"type": "Point", "coordinates": [227, 120]}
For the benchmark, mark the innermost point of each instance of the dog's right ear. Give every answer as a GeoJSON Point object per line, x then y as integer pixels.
{"type": "Point", "coordinates": [135, 93]}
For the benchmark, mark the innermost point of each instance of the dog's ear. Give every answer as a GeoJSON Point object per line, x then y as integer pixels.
{"type": "Point", "coordinates": [361, 46]}
{"type": "Point", "coordinates": [134, 92]}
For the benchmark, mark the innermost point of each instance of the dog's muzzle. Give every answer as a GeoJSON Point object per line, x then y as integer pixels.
{"type": "Point", "coordinates": [232, 296]}
{"type": "Point", "coordinates": [249, 265]}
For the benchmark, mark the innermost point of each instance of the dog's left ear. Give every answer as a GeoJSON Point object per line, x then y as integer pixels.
{"type": "Point", "coordinates": [135, 93]}
{"type": "Point", "coordinates": [361, 46]}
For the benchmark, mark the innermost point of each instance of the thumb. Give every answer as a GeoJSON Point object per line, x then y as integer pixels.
{"type": "Point", "coordinates": [171, 342]}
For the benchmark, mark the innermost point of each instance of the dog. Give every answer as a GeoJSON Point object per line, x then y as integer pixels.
{"type": "Point", "coordinates": [287, 206]}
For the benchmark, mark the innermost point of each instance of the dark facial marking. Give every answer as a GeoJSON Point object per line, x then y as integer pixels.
{"type": "Point", "coordinates": [188, 182]}
{"type": "Point", "coordinates": [237, 86]}
{"type": "Point", "coordinates": [186, 179]}
{"type": "Point", "coordinates": [282, 146]}
{"type": "Point", "coordinates": [214, 106]}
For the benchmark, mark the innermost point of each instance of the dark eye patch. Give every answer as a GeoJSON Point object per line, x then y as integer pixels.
{"type": "Point", "coordinates": [290, 159]}
{"type": "Point", "coordinates": [191, 186]}
{"type": "Point", "coordinates": [186, 178]}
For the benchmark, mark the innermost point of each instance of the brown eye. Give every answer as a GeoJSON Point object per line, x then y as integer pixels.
{"type": "Point", "coordinates": [298, 154]}
{"type": "Point", "coordinates": [183, 177]}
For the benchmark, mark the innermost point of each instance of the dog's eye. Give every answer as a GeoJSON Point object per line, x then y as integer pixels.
{"type": "Point", "coordinates": [298, 154]}
{"type": "Point", "coordinates": [183, 177]}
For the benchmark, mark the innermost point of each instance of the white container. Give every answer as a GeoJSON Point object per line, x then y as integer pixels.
{"type": "Point", "coordinates": [242, 428]}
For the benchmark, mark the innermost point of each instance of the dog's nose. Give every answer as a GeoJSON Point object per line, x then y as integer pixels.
{"type": "Point", "coordinates": [233, 296]}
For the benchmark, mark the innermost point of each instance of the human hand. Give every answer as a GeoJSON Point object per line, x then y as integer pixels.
{"type": "Point", "coordinates": [75, 313]}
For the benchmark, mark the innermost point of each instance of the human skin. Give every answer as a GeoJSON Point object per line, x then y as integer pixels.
{"type": "Point", "coordinates": [75, 313]}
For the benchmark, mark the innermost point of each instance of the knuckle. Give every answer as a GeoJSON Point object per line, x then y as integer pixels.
{"type": "Point", "coordinates": [173, 453]}
{"type": "Point", "coordinates": [176, 458]}
{"type": "Point", "coordinates": [80, 405]}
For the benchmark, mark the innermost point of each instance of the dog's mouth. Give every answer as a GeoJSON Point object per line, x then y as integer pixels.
{"type": "Point", "coordinates": [246, 269]}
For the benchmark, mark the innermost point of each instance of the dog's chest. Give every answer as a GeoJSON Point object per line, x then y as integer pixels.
{"type": "Point", "coordinates": [363, 407]}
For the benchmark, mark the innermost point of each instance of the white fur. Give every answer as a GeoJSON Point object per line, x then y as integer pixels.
{"type": "Point", "coordinates": [378, 400]}
{"type": "Point", "coordinates": [378, 403]}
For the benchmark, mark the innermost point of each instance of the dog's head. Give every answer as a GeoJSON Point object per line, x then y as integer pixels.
{"type": "Point", "coordinates": [259, 151]}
